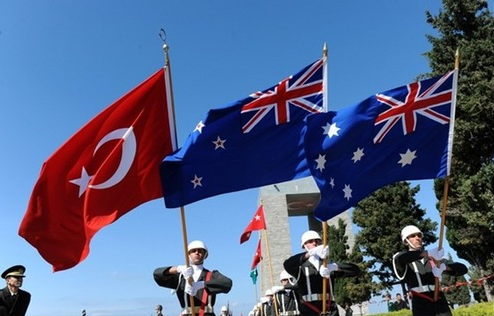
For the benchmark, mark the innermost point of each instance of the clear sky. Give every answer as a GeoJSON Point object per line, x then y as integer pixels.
{"type": "Point", "coordinates": [62, 62]}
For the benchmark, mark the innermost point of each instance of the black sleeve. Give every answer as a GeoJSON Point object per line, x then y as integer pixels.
{"type": "Point", "coordinates": [292, 264]}
{"type": "Point", "coordinates": [218, 283]}
{"type": "Point", "coordinates": [163, 278]}
{"type": "Point", "coordinates": [406, 257]}
{"type": "Point", "coordinates": [456, 269]}
{"type": "Point", "coordinates": [347, 270]}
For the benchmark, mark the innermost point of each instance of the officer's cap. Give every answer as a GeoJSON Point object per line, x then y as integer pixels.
{"type": "Point", "coordinates": [17, 271]}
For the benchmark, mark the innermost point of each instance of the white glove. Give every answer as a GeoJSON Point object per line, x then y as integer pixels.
{"type": "Point", "coordinates": [187, 272]}
{"type": "Point", "coordinates": [436, 254]}
{"type": "Point", "coordinates": [264, 299]}
{"type": "Point", "coordinates": [319, 251]}
{"type": "Point", "coordinates": [438, 271]}
{"type": "Point", "coordinates": [277, 288]}
{"type": "Point", "coordinates": [189, 289]}
{"type": "Point", "coordinates": [325, 271]}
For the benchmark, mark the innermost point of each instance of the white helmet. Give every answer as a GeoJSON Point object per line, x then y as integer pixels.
{"type": "Point", "coordinates": [409, 230]}
{"type": "Point", "coordinates": [285, 275]}
{"type": "Point", "coordinates": [198, 244]}
{"type": "Point", "coordinates": [268, 292]}
{"type": "Point", "coordinates": [224, 309]}
{"type": "Point", "coordinates": [308, 235]}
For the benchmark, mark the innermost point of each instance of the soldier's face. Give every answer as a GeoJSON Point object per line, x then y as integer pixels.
{"type": "Point", "coordinates": [309, 244]}
{"type": "Point", "coordinates": [14, 281]}
{"type": "Point", "coordinates": [415, 240]}
{"type": "Point", "coordinates": [196, 255]}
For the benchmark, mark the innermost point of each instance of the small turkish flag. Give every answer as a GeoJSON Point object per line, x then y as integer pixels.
{"type": "Point", "coordinates": [257, 223]}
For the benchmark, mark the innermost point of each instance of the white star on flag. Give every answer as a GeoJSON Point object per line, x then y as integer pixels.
{"type": "Point", "coordinates": [321, 160]}
{"type": "Point", "coordinates": [358, 154]}
{"type": "Point", "coordinates": [199, 127]}
{"type": "Point", "coordinates": [219, 143]}
{"type": "Point", "coordinates": [407, 158]}
{"type": "Point", "coordinates": [330, 130]}
{"type": "Point", "coordinates": [348, 192]}
{"type": "Point", "coordinates": [196, 181]}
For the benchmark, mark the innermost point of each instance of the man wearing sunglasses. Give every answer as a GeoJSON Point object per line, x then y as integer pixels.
{"type": "Point", "coordinates": [419, 268]}
{"type": "Point", "coordinates": [194, 280]}
{"type": "Point", "coordinates": [13, 300]}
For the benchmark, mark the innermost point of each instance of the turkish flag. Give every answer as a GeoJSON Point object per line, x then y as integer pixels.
{"type": "Point", "coordinates": [110, 166]}
{"type": "Point", "coordinates": [257, 223]}
{"type": "Point", "coordinates": [257, 256]}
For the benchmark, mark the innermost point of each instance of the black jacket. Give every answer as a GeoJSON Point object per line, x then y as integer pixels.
{"type": "Point", "coordinates": [10, 308]}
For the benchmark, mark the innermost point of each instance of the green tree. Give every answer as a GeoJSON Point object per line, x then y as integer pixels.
{"type": "Point", "coordinates": [337, 242]}
{"type": "Point", "coordinates": [359, 289]}
{"type": "Point", "coordinates": [468, 26]}
{"type": "Point", "coordinates": [363, 287]}
{"type": "Point", "coordinates": [381, 216]}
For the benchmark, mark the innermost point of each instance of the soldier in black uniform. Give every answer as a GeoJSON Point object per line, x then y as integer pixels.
{"type": "Point", "coordinates": [417, 268]}
{"type": "Point", "coordinates": [286, 295]}
{"type": "Point", "coordinates": [309, 272]}
{"type": "Point", "coordinates": [267, 304]}
{"type": "Point", "coordinates": [13, 300]}
{"type": "Point", "coordinates": [204, 286]}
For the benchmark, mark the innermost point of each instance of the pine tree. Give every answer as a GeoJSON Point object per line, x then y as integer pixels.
{"type": "Point", "coordinates": [468, 26]}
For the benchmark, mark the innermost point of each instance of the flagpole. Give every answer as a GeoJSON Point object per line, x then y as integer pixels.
{"type": "Point", "coordinates": [325, 79]}
{"type": "Point", "coordinates": [324, 224]}
{"type": "Point", "coordinates": [446, 185]}
{"type": "Point", "coordinates": [324, 262]}
{"type": "Point", "coordinates": [162, 35]}
{"type": "Point", "coordinates": [270, 271]}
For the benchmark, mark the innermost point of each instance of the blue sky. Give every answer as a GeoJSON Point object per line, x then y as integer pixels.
{"type": "Point", "coordinates": [62, 62]}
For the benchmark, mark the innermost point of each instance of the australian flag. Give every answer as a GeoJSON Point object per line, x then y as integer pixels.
{"type": "Point", "coordinates": [402, 134]}
{"type": "Point", "coordinates": [250, 143]}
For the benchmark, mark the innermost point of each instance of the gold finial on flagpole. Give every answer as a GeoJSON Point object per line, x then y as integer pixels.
{"type": "Point", "coordinates": [457, 58]}
{"type": "Point", "coordinates": [325, 50]}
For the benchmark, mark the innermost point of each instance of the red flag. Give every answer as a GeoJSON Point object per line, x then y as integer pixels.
{"type": "Point", "coordinates": [106, 169]}
{"type": "Point", "coordinates": [257, 223]}
{"type": "Point", "coordinates": [257, 256]}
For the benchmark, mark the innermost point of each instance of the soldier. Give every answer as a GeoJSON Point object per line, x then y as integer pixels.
{"type": "Point", "coordinates": [267, 307]}
{"type": "Point", "coordinates": [13, 300]}
{"type": "Point", "coordinates": [286, 295]}
{"type": "Point", "coordinates": [416, 267]}
{"type": "Point", "coordinates": [195, 281]}
{"type": "Point", "coordinates": [310, 272]}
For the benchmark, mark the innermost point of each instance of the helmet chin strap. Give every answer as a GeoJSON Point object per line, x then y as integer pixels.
{"type": "Point", "coordinates": [412, 246]}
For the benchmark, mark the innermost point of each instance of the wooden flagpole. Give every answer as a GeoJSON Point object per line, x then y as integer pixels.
{"type": "Point", "coordinates": [324, 223]}
{"type": "Point", "coordinates": [446, 187]}
{"type": "Point", "coordinates": [324, 263]}
{"type": "Point", "coordinates": [162, 35]}
{"type": "Point", "coordinates": [270, 267]}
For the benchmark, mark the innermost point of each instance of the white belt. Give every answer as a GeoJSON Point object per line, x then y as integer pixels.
{"type": "Point", "coordinates": [424, 288]}
{"type": "Point", "coordinates": [313, 297]}
{"type": "Point", "coordinates": [197, 309]}
{"type": "Point", "coordinates": [289, 313]}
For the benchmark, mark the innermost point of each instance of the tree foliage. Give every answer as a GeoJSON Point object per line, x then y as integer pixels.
{"type": "Point", "coordinates": [358, 289]}
{"type": "Point", "coordinates": [337, 242]}
{"type": "Point", "coordinates": [468, 26]}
